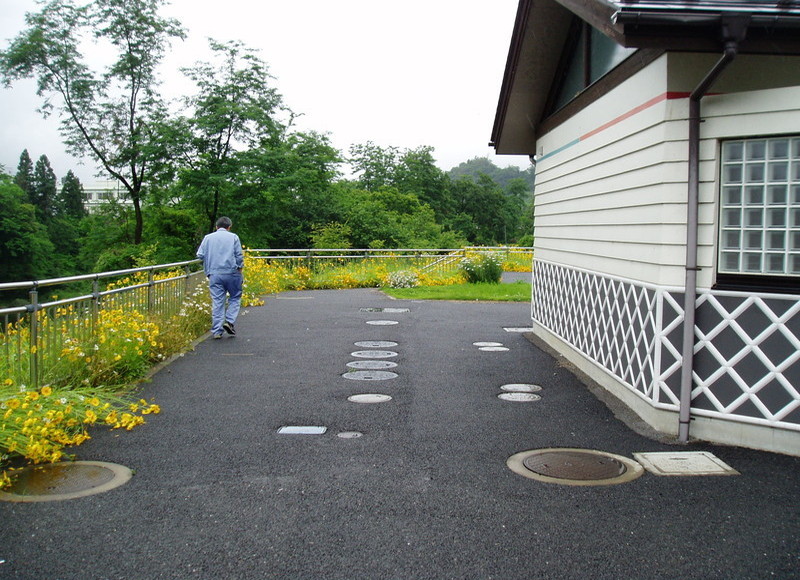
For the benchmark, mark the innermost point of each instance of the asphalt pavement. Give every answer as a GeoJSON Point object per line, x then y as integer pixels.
{"type": "Point", "coordinates": [416, 487]}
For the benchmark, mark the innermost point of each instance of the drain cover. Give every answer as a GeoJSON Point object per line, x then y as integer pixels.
{"type": "Point", "coordinates": [349, 434]}
{"type": "Point", "coordinates": [370, 375]}
{"type": "Point", "coordinates": [519, 397]}
{"type": "Point", "coordinates": [493, 348]}
{"type": "Point", "coordinates": [381, 322]}
{"type": "Point", "coordinates": [684, 463]}
{"type": "Point", "coordinates": [521, 388]}
{"type": "Point", "coordinates": [302, 430]}
{"type": "Point", "coordinates": [375, 343]}
{"type": "Point", "coordinates": [575, 466]}
{"type": "Point", "coordinates": [487, 344]}
{"type": "Point", "coordinates": [369, 398]}
{"type": "Point", "coordinates": [371, 364]}
{"type": "Point", "coordinates": [65, 480]}
{"type": "Point", "coordinates": [374, 354]}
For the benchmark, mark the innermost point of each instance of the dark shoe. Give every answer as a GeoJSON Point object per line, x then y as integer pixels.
{"type": "Point", "coordinates": [217, 336]}
{"type": "Point", "coordinates": [228, 327]}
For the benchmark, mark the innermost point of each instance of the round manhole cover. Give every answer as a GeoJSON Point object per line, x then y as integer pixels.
{"type": "Point", "coordinates": [575, 466]}
{"type": "Point", "coordinates": [382, 322]}
{"type": "Point", "coordinates": [373, 354]}
{"type": "Point", "coordinates": [370, 375]}
{"type": "Point", "coordinates": [521, 388]}
{"type": "Point", "coordinates": [493, 348]}
{"type": "Point", "coordinates": [375, 343]}
{"type": "Point", "coordinates": [370, 364]}
{"type": "Point", "coordinates": [482, 344]}
{"type": "Point", "coordinates": [369, 398]}
{"type": "Point", "coordinates": [65, 480]}
{"type": "Point", "coordinates": [519, 397]}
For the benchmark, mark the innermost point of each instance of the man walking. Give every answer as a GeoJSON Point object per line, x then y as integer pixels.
{"type": "Point", "coordinates": [223, 261]}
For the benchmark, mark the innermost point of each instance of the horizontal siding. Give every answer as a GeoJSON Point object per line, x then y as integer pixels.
{"type": "Point", "coordinates": [615, 201]}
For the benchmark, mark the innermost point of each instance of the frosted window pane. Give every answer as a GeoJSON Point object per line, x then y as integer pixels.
{"type": "Point", "coordinates": [730, 261]}
{"type": "Point", "coordinates": [755, 195]}
{"type": "Point", "coordinates": [776, 240]}
{"type": "Point", "coordinates": [733, 150]}
{"type": "Point", "coordinates": [753, 240]}
{"type": "Point", "coordinates": [755, 172]}
{"type": "Point", "coordinates": [733, 174]}
{"type": "Point", "coordinates": [778, 171]}
{"type": "Point", "coordinates": [732, 240]}
{"type": "Point", "coordinates": [779, 149]}
{"type": "Point", "coordinates": [775, 263]}
{"type": "Point", "coordinates": [753, 218]}
{"type": "Point", "coordinates": [777, 195]}
{"type": "Point", "coordinates": [776, 218]}
{"type": "Point", "coordinates": [752, 262]}
{"type": "Point", "coordinates": [755, 150]}
{"type": "Point", "coordinates": [794, 264]}
{"type": "Point", "coordinates": [732, 218]}
{"type": "Point", "coordinates": [732, 196]}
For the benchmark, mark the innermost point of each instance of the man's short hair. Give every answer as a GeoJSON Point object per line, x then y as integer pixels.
{"type": "Point", "coordinates": [224, 222]}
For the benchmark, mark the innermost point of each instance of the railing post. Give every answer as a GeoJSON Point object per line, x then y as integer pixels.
{"type": "Point", "coordinates": [95, 305]}
{"type": "Point", "coordinates": [33, 311]}
{"type": "Point", "coordinates": [150, 290]}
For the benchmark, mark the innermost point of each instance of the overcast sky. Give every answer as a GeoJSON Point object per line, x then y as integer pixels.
{"type": "Point", "coordinates": [404, 74]}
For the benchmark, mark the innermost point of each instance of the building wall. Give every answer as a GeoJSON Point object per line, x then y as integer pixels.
{"type": "Point", "coordinates": [611, 186]}
{"type": "Point", "coordinates": [615, 175]}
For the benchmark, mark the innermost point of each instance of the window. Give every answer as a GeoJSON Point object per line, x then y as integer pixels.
{"type": "Point", "coordinates": [760, 208]}
{"type": "Point", "coordinates": [588, 57]}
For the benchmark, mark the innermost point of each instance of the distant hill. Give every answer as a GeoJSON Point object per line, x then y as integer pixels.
{"type": "Point", "coordinates": [500, 175]}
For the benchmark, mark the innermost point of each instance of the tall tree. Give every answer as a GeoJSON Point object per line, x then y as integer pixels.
{"type": "Point", "coordinates": [111, 114]}
{"type": "Point", "coordinates": [72, 196]}
{"type": "Point", "coordinates": [24, 176]}
{"type": "Point", "coordinates": [44, 190]}
{"type": "Point", "coordinates": [374, 165]}
{"type": "Point", "coordinates": [235, 109]}
{"type": "Point", "coordinates": [25, 250]}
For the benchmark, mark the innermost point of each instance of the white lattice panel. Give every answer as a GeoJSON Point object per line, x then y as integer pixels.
{"type": "Point", "coordinates": [746, 354]}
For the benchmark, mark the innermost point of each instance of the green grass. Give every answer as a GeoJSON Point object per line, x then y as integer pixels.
{"type": "Point", "coordinates": [515, 292]}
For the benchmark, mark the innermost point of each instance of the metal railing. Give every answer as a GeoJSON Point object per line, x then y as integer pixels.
{"type": "Point", "coordinates": [428, 259]}
{"type": "Point", "coordinates": [33, 336]}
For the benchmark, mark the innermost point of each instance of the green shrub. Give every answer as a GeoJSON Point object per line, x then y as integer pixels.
{"type": "Point", "coordinates": [482, 268]}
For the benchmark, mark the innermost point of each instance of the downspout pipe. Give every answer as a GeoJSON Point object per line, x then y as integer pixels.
{"type": "Point", "coordinates": [693, 198]}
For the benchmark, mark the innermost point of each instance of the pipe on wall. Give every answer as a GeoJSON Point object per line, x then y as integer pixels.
{"type": "Point", "coordinates": [734, 30]}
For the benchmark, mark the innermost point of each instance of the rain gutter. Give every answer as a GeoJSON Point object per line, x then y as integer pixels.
{"type": "Point", "coordinates": [734, 29]}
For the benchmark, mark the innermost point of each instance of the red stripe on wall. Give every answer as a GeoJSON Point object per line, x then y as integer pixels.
{"type": "Point", "coordinates": [646, 105]}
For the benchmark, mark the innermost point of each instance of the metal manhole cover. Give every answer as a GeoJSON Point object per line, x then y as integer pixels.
{"type": "Point", "coordinates": [370, 375]}
{"type": "Point", "coordinates": [65, 480]}
{"type": "Point", "coordinates": [519, 397]}
{"type": "Point", "coordinates": [373, 354]}
{"type": "Point", "coordinates": [493, 348]}
{"type": "Point", "coordinates": [369, 398]}
{"type": "Point", "coordinates": [375, 343]}
{"type": "Point", "coordinates": [575, 466]}
{"type": "Point", "coordinates": [382, 322]}
{"type": "Point", "coordinates": [482, 344]}
{"type": "Point", "coordinates": [521, 388]}
{"type": "Point", "coordinates": [370, 364]}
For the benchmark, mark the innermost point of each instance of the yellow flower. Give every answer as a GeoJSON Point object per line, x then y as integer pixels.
{"type": "Point", "coordinates": [8, 382]}
{"type": "Point", "coordinates": [94, 401]}
{"type": "Point", "coordinates": [47, 391]}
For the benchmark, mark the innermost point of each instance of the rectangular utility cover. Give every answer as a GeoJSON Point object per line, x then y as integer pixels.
{"type": "Point", "coordinates": [302, 430]}
{"type": "Point", "coordinates": [684, 463]}
{"type": "Point", "coordinates": [518, 329]}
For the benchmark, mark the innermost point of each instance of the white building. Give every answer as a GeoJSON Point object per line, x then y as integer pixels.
{"type": "Point", "coordinates": [101, 192]}
{"type": "Point", "coordinates": [666, 136]}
